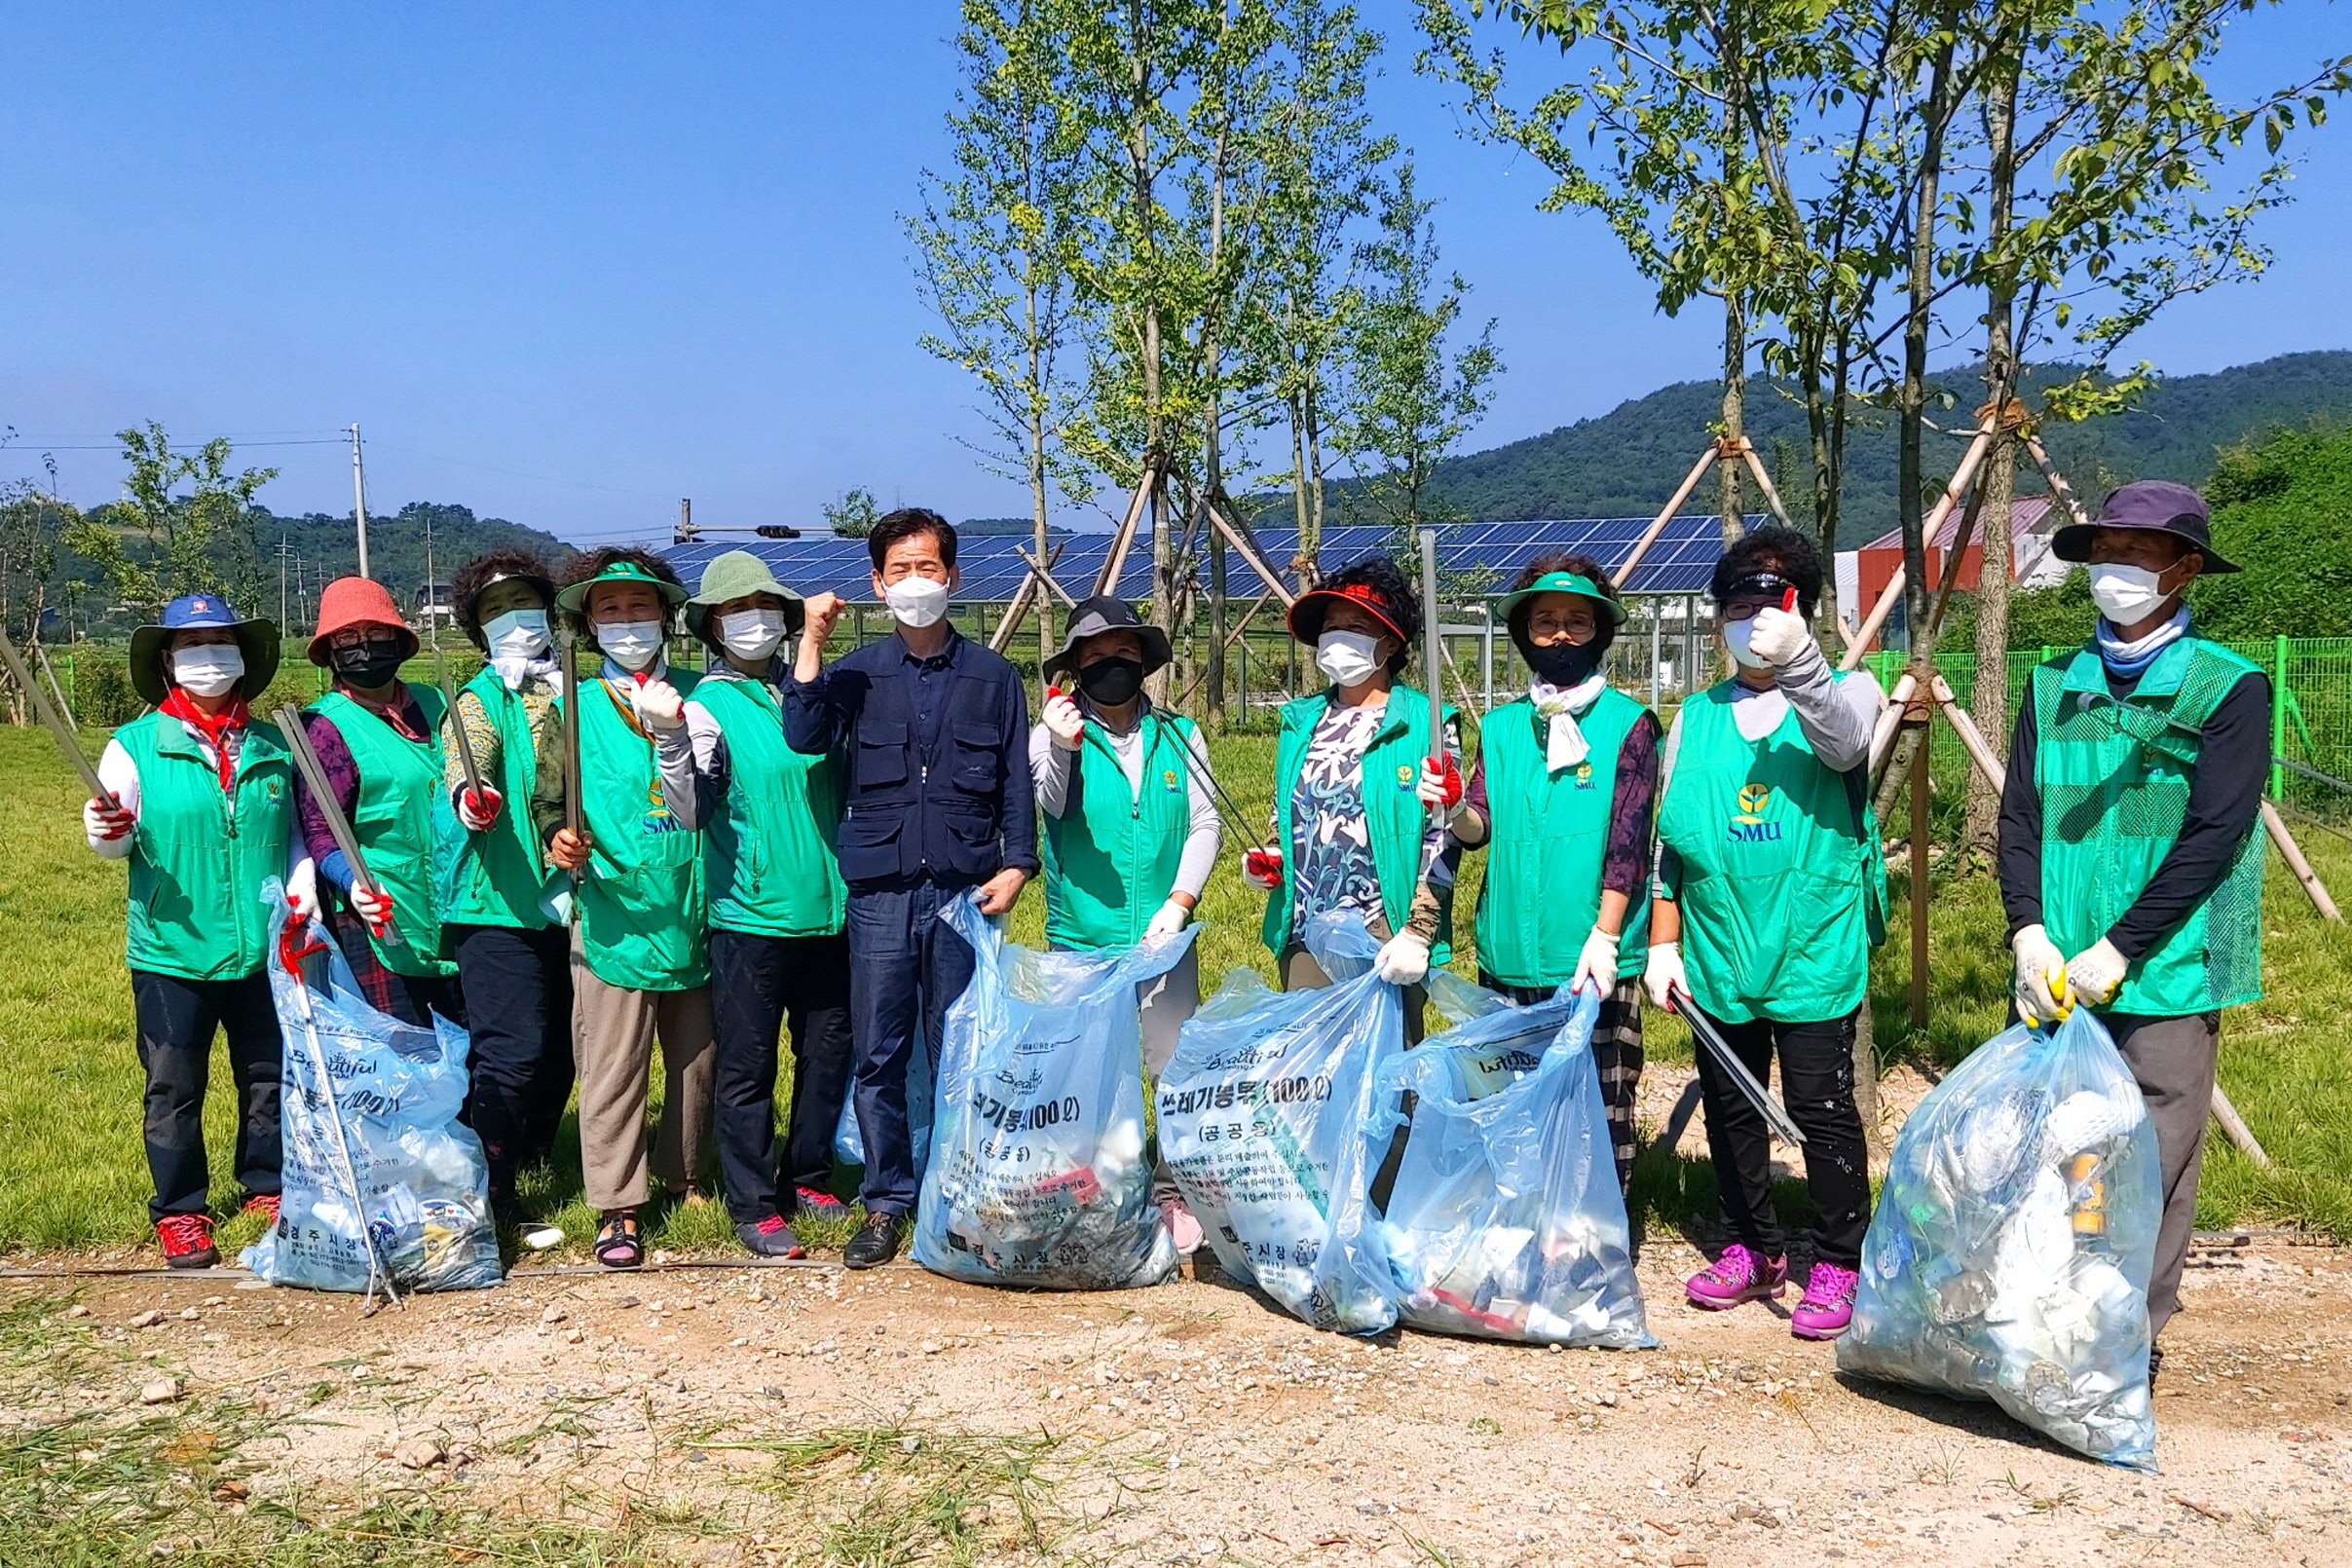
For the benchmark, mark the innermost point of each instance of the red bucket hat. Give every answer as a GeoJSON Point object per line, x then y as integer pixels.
{"type": "Point", "coordinates": [1307, 615]}
{"type": "Point", "coordinates": [356, 602]}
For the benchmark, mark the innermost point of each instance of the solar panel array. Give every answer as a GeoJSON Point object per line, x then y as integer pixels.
{"type": "Point", "coordinates": [1679, 562]}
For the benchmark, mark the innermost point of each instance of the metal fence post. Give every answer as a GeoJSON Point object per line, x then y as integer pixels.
{"type": "Point", "coordinates": [1657, 624]}
{"type": "Point", "coordinates": [2278, 721]}
{"type": "Point", "coordinates": [1486, 651]}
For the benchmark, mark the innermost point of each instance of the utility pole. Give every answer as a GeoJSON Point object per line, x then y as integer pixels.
{"type": "Point", "coordinates": [433, 592]}
{"type": "Point", "coordinates": [360, 500]}
{"type": "Point", "coordinates": [281, 578]}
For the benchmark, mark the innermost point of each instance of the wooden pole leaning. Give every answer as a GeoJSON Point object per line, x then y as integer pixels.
{"type": "Point", "coordinates": [1024, 597]}
{"type": "Point", "coordinates": [1114, 559]}
{"type": "Point", "coordinates": [1962, 476]}
{"type": "Point", "coordinates": [1649, 537]}
{"type": "Point", "coordinates": [2292, 853]}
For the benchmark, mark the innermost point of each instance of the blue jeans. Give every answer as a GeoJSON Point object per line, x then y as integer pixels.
{"type": "Point", "coordinates": [900, 959]}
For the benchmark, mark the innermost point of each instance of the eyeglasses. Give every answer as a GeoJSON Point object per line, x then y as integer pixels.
{"type": "Point", "coordinates": [362, 637]}
{"type": "Point", "coordinates": [1745, 608]}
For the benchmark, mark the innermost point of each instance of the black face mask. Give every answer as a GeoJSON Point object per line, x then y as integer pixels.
{"type": "Point", "coordinates": [1562, 663]}
{"type": "Point", "coordinates": [1113, 683]}
{"type": "Point", "coordinates": [369, 665]}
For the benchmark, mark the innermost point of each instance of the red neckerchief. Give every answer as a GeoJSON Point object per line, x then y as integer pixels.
{"type": "Point", "coordinates": [214, 727]}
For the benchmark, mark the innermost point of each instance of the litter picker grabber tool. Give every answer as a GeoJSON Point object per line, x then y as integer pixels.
{"type": "Point", "coordinates": [67, 741]}
{"type": "Point", "coordinates": [566, 643]}
{"type": "Point", "coordinates": [1432, 658]}
{"type": "Point", "coordinates": [339, 826]}
{"type": "Point", "coordinates": [1725, 1058]}
{"type": "Point", "coordinates": [457, 727]}
{"type": "Point", "coordinates": [1236, 820]}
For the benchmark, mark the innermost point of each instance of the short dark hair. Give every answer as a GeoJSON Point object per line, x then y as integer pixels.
{"type": "Point", "coordinates": [583, 567]}
{"type": "Point", "coordinates": [1386, 578]}
{"type": "Point", "coordinates": [1581, 565]}
{"type": "Point", "coordinates": [1780, 550]}
{"type": "Point", "coordinates": [478, 574]}
{"type": "Point", "coordinates": [905, 523]}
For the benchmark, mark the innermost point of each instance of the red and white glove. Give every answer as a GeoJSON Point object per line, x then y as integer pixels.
{"type": "Point", "coordinates": [659, 706]}
{"type": "Point", "coordinates": [375, 907]}
{"type": "Point", "coordinates": [302, 890]}
{"type": "Point", "coordinates": [104, 822]}
{"type": "Point", "coordinates": [1263, 868]}
{"type": "Point", "coordinates": [1440, 789]}
{"type": "Point", "coordinates": [1778, 637]}
{"type": "Point", "coordinates": [480, 811]}
{"type": "Point", "coordinates": [1062, 720]}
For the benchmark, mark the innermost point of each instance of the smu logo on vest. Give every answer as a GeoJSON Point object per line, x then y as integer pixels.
{"type": "Point", "coordinates": [1748, 825]}
{"type": "Point", "coordinates": [1584, 775]}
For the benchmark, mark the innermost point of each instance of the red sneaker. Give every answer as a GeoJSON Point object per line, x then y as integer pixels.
{"type": "Point", "coordinates": [187, 1240]}
{"type": "Point", "coordinates": [811, 1204]}
{"type": "Point", "coordinates": [263, 1204]}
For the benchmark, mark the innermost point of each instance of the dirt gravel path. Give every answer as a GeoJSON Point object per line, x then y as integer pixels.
{"type": "Point", "coordinates": [1197, 1426]}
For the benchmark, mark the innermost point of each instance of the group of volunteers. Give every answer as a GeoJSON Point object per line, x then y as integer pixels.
{"type": "Point", "coordinates": [761, 850]}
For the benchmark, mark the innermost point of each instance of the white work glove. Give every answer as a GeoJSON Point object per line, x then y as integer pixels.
{"type": "Point", "coordinates": [1167, 921]}
{"type": "Point", "coordinates": [375, 907]}
{"type": "Point", "coordinates": [1779, 636]}
{"type": "Point", "coordinates": [1596, 964]}
{"type": "Point", "coordinates": [480, 811]}
{"type": "Point", "coordinates": [1263, 868]}
{"type": "Point", "coordinates": [1403, 960]}
{"type": "Point", "coordinates": [2040, 976]}
{"type": "Point", "coordinates": [1062, 720]}
{"type": "Point", "coordinates": [659, 706]}
{"type": "Point", "coordinates": [1663, 975]}
{"type": "Point", "coordinates": [104, 823]}
{"type": "Point", "coordinates": [302, 890]}
{"type": "Point", "coordinates": [1440, 790]}
{"type": "Point", "coordinates": [2096, 973]}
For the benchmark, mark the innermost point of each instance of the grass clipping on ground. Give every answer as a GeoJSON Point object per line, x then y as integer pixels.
{"type": "Point", "coordinates": [95, 1476]}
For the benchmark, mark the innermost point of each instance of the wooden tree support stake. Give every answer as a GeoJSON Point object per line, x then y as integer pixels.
{"type": "Point", "coordinates": [2239, 1132]}
{"type": "Point", "coordinates": [1868, 632]}
{"type": "Point", "coordinates": [2276, 825]}
{"type": "Point", "coordinates": [1641, 545]}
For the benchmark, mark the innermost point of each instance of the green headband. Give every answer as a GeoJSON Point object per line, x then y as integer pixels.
{"type": "Point", "coordinates": [1575, 582]}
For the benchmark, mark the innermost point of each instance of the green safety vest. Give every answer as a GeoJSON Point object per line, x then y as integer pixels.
{"type": "Point", "coordinates": [1547, 836]}
{"type": "Point", "coordinates": [1111, 857]}
{"type": "Point", "coordinates": [1392, 810]}
{"type": "Point", "coordinates": [1783, 887]}
{"type": "Point", "coordinates": [197, 868]}
{"type": "Point", "coordinates": [642, 898]}
{"type": "Point", "coordinates": [404, 824]}
{"type": "Point", "coordinates": [2114, 779]}
{"type": "Point", "coordinates": [769, 856]}
{"type": "Point", "coordinates": [498, 875]}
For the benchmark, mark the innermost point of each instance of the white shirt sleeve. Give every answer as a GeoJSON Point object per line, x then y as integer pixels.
{"type": "Point", "coordinates": [1836, 716]}
{"type": "Point", "coordinates": [121, 776]}
{"type": "Point", "coordinates": [1203, 836]}
{"type": "Point", "coordinates": [692, 765]}
{"type": "Point", "coordinates": [1049, 771]}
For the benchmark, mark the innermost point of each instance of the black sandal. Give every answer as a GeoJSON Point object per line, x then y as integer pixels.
{"type": "Point", "coordinates": [619, 1245]}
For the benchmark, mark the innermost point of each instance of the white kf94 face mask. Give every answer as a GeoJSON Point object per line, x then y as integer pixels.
{"type": "Point", "coordinates": [1348, 657]}
{"type": "Point", "coordinates": [208, 669]}
{"type": "Point", "coordinates": [917, 602]}
{"type": "Point", "coordinates": [2127, 594]}
{"type": "Point", "coordinates": [633, 645]}
{"type": "Point", "coordinates": [752, 634]}
{"type": "Point", "coordinates": [1735, 635]}
{"type": "Point", "coordinates": [517, 634]}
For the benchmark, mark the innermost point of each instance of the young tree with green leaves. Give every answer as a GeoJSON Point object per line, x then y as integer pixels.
{"type": "Point", "coordinates": [160, 540]}
{"type": "Point", "coordinates": [993, 242]}
{"type": "Point", "coordinates": [1418, 383]}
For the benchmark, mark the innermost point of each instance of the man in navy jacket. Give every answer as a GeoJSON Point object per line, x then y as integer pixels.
{"type": "Point", "coordinates": [936, 730]}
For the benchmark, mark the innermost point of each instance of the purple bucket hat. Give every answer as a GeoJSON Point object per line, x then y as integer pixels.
{"type": "Point", "coordinates": [2149, 505]}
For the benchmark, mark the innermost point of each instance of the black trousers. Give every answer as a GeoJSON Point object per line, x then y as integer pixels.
{"type": "Point", "coordinates": [1616, 1058]}
{"type": "Point", "coordinates": [176, 1020]}
{"type": "Point", "coordinates": [517, 989]}
{"type": "Point", "coordinates": [1817, 1085]}
{"type": "Point", "coordinates": [758, 985]}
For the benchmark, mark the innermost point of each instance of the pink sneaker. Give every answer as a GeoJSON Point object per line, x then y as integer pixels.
{"type": "Point", "coordinates": [1737, 1275]}
{"type": "Point", "coordinates": [1828, 1303]}
{"type": "Point", "coordinates": [1182, 1228]}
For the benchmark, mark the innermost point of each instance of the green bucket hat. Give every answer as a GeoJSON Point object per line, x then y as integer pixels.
{"type": "Point", "coordinates": [574, 600]}
{"type": "Point", "coordinates": [734, 576]}
{"type": "Point", "coordinates": [1575, 582]}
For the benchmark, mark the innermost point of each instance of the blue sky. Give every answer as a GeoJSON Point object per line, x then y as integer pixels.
{"type": "Point", "coordinates": [567, 264]}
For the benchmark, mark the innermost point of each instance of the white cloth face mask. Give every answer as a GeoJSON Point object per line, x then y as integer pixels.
{"type": "Point", "coordinates": [630, 643]}
{"type": "Point", "coordinates": [1735, 635]}
{"type": "Point", "coordinates": [517, 634]}
{"type": "Point", "coordinates": [917, 602]}
{"type": "Point", "coordinates": [1348, 657]}
{"type": "Point", "coordinates": [2127, 594]}
{"type": "Point", "coordinates": [208, 669]}
{"type": "Point", "coordinates": [752, 634]}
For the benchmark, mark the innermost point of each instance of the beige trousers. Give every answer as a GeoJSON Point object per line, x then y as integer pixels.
{"type": "Point", "coordinates": [613, 1032]}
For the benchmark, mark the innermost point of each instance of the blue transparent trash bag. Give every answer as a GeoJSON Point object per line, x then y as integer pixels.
{"type": "Point", "coordinates": [378, 1170]}
{"type": "Point", "coordinates": [849, 1143]}
{"type": "Point", "coordinates": [1258, 1109]}
{"type": "Point", "coordinates": [2011, 1254]}
{"type": "Point", "coordinates": [1038, 1175]}
{"type": "Point", "coordinates": [1505, 1221]}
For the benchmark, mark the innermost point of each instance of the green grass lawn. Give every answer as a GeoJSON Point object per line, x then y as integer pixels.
{"type": "Point", "coordinates": [72, 1173]}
